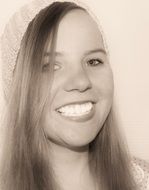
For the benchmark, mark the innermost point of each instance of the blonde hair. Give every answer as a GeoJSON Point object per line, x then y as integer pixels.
{"type": "Point", "coordinates": [26, 164]}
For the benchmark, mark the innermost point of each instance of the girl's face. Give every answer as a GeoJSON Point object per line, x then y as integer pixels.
{"type": "Point", "coordinates": [82, 89]}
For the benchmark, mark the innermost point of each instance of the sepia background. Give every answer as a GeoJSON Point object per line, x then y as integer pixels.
{"type": "Point", "coordinates": [126, 27]}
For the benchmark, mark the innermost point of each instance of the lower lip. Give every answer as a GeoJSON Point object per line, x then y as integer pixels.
{"type": "Point", "coordinates": [82, 118]}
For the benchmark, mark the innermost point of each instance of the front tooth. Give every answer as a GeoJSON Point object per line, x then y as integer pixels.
{"type": "Point", "coordinates": [71, 109]}
{"type": "Point", "coordinates": [86, 109]}
{"type": "Point", "coordinates": [83, 108]}
{"type": "Point", "coordinates": [67, 110]}
{"type": "Point", "coordinates": [86, 106]}
{"type": "Point", "coordinates": [90, 105]}
{"type": "Point", "coordinates": [77, 108]}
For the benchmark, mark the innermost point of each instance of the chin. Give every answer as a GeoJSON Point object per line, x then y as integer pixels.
{"type": "Point", "coordinates": [74, 141]}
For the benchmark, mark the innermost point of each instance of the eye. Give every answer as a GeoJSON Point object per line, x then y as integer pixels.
{"type": "Point", "coordinates": [56, 67]}
{"type": "Point", "coordinates": [47, 65]}
{"type": "Point", "coordinates": [94, 62]}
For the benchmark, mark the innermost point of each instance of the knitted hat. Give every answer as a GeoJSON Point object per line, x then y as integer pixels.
{"type": "Point", "coordinates": [14, 31]}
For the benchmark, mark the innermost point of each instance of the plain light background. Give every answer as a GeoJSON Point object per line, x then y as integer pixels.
{"type": "Point", "coordinates": [126, 27]}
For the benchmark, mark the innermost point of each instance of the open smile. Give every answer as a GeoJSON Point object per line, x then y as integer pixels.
{"type": "Point", "coordinates": [77, 111]}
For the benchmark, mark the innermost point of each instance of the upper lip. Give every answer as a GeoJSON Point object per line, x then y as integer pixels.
{"type": "Point", "coordinates": [75, 102]}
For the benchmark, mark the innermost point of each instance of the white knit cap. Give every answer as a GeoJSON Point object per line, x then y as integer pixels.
{"type": "Point", "coordinates": [14, 31]}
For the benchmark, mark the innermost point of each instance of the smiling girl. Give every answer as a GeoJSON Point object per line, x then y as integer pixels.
{"type": "Point", "coordinates": [61, 133]}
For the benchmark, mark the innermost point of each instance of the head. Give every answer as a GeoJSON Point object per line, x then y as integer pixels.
{"type": "Point", "coordinates": [62, 93]}
{"type": "Point", "coordinates": [82, 87]}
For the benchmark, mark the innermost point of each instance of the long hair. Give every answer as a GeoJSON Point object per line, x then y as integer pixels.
{"type": "Point", "coordinates": [25, 160]}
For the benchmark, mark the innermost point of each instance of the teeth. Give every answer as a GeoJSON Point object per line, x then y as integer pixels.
{"type": "Point", "coordinates": [76, 110]}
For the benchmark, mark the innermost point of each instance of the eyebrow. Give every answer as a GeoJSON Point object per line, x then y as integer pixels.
{"type": "Point", "coordinates": [101, 50]}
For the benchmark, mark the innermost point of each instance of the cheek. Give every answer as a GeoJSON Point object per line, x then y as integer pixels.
{"type": "Point", "coordinates": [102, 81]}
{"type": "Point", "coordinates": [104, 87]}
{"type": "Point", "coordinates": [48, 124]}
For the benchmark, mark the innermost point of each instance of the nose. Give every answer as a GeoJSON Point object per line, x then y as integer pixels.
{"type": "Point", "coordinates": [77, 80]}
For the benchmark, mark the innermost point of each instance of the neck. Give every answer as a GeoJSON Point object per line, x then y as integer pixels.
{"type": "Point", "coordinates": [71, 166]}
{"type": "Point", "coordinates": [64, 158]}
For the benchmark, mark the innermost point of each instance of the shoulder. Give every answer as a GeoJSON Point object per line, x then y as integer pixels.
{"type": "Point", "coordinates": [141, 173]}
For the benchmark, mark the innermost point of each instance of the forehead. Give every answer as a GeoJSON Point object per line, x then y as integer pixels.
{"type": "Point", "coordinates": [78, 31]}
